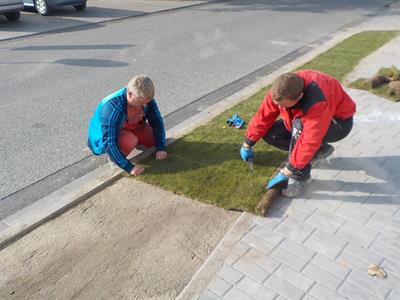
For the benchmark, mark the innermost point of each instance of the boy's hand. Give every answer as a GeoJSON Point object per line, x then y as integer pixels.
{"type": "Point", "coordinates": [160, 155]}
{"type": "Point", "coordinates": [137, 170]}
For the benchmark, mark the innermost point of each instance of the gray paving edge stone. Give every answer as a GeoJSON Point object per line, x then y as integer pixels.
{"type": "Point", "coordinates": [86, 186]}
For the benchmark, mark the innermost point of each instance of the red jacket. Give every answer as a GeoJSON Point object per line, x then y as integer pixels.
{"type": "Point", "coordinates": [324, 99]}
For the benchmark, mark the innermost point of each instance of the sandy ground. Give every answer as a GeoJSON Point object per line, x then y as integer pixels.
{"type": "Point", "coordinates": [131, 241]}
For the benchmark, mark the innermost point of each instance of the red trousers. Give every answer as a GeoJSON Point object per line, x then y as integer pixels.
{"type": "Point", "coordinates": [129, 138]}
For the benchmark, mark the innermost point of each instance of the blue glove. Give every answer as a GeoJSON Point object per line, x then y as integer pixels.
{"type": "Point", "coordinates": [239, 123]}
{"type": "Point", "coordinates": [231, 121]}
{"type": "Point", "coordinates": [236, 121]}
{"type": "Point", "coordinates": [278, 178]}
{"type": "Point", "coordinates": [246, 153]}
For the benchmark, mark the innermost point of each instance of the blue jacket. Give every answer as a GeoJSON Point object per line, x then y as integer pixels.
{"type": "Point", "coordinates": [109, 118]}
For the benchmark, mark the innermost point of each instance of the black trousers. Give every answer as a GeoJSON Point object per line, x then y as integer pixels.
{"type": "Point", "coordinates": [279, 137]}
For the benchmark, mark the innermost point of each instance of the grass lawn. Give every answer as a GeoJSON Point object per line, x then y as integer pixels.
{"type": "Point", "coordinates": [206, 165]}
{"type": "Point", "coordinates": [382, 90]}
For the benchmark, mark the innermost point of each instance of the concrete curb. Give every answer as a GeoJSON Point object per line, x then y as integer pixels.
{"type": "Point", "coordinates": [25, 220]}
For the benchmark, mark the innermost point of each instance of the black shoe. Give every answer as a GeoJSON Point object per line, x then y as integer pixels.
{"type": "Point", "coordinates": [323, 152]}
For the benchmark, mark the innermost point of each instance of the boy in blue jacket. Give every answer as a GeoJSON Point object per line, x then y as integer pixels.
{"type": "Point", "coordinates": [125, 119]}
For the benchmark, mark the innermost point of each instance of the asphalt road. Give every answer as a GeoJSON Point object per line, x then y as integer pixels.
{"type": "Point", "coordinates": [51, 83]}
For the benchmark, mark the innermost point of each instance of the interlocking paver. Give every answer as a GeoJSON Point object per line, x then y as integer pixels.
{"type": "Point", "coordinates": [266, 234]}
{"type": "Point", "coordinates": [288, 259]}
{"type": "Point", "coordinates": [324, 174]}
{"type": "Point", "coordinates": [354, 292]}
{"type": "Point", "coordinates": [218, 286]}
{"type": "Point", "coordinates": [325, 221]}
{"type": "Point", "coordinates": [330, 265]}
{"type": "Point", "coordinates": [229, 274]}
{"type": "Point", "coordinates": [364, 254]}
{"type": "Point", "coordinates": [378, 186]}
{"type": "Point", "coordinates": [355, 237]}
{"type": "Point", "coordinates": [392, 280]}
{"type": "Point", "coordinates": [395, 295]}
{"type": "Point", "coordinates": [386, 251]}
{"type": "Point", "coordinates": [321, 247]}
{"type": "Point", "coordinates": [322, 293]}
{"type": "Point", "coordinates": [301, 203]}
{"type": "Point", "coordinates": [392, 266]}
{"type": "Point", "coordinates": [236, 294]}
{"type": "Point", "coordinates": [284, 288]}
{"type": "Point", "coordinates": [352, 262]}
{"type": "Point", "coordinates": [258, 243]}
{"type": "Point", "coordinates": [298, 212]}
{"type": "Point", "coordinates": [384, 225]}
{"type": "Point", "coordinates": [357, 213]}
{"type": "Point", "coordinates": [389, 242]}
{"type": "Point", "coordinates": [351, 175]}
{"type": "Point", "coordinates": [396, 216]}
{"type": "Point", "coordinates": [296, 223]}
{"type": "Point", "coordinates": [359, 229]}
{"type": "Point", "coordinates": [321, 276]}
{"type": "Point", "coordinates": [255, 290]}
{"type": "Point", "coordinates": [392, 163]}
{"type": "Point", "coordinates": [241, 248]}
{"type": "Point", "coordinates": [238, 250]}
{"type": "Point", "coordinates": [232, 258]}
{"type": "Point", "coordinates": [321, 187]}
{"type": "Point", "coordinates": [251, 270]}
{"type": "Point", "coordinates": [292, 231]}
{"type": "Point", "coordinates": [2, 226]}
{"type": "Point", "coordinates": [208, 295]}
{"type": "Point", "coordinates": [373, 285]}
{"type": "Point", "coordinates": [327, 203]}
{"type": "Point", "coordinates": [297, 249]}
{"type": "Point", "coordinates": [329, 239]}
{"type": "Point", "coordinates": [266, 222]}
{"type": "Point", "coordinates": [295, 278]}
{"type": "Point", "coordinates": [262, 260]}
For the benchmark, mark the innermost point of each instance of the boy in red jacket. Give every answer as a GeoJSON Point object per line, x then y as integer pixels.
{"type": "Point", "coordinates": [314, 110]}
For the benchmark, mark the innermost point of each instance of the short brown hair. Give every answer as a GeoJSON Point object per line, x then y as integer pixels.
{"type": "Point", "coordinates": [141, 86]}
{"type": "Point", "coordinates": [287, 86]}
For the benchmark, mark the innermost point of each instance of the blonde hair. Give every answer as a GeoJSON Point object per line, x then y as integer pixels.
{"type": "Point", "coordinates": [141, 86]}
{"type": "Point", "coordinates": [288, 85]}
